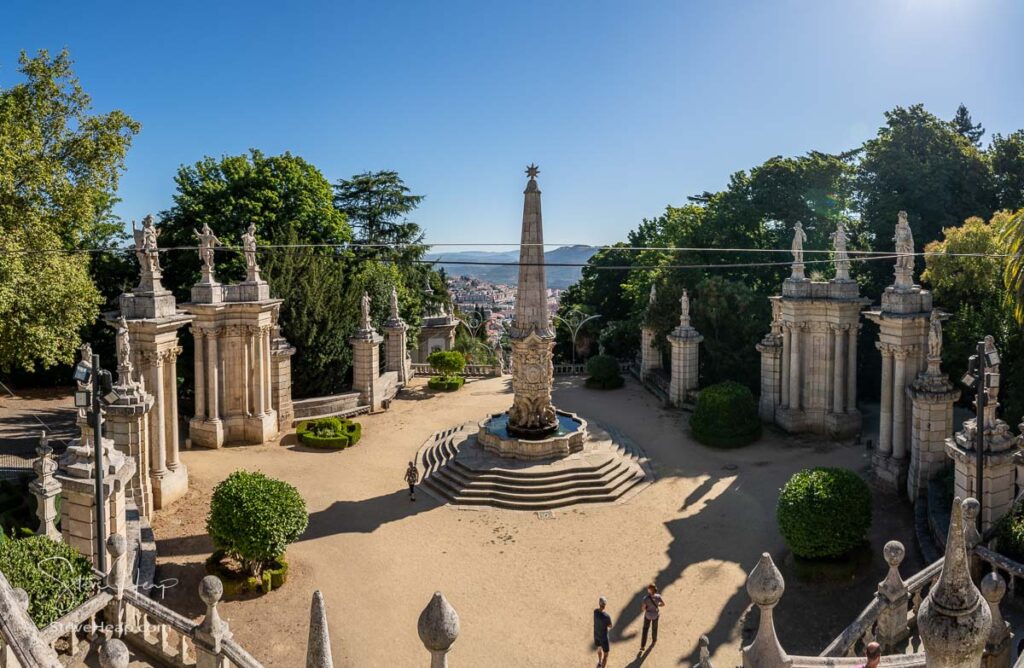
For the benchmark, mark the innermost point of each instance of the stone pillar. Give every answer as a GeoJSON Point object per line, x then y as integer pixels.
{"type": "Point", "coordinates": [395, 357]}
{"type": "Point", "coordinates": [838, 373]}
{"type": "Point", "coordinates": [259, 374]}
{"type": "Point", "coordinates": [787, 352]}
{"type": "Point", "coordinates": [213, 386]}
{"type": "Point", "coordinates": [899, 405]}
{"type": "Point", "coordinates": [851, 368]}
{"type": "Point", "coordinates": [795, 360]}
{"type": "Point", "coordinates": [650, 356]}
{"type": "Point", "coordinates": [46, 490]}
{"type": "Point", "coordinates": [366, 366]}
{"type": "Point", "coordinates": [199, 352]}
{"type": "Point", "coordinates": [892, 591]}
{"type": "Point", "coordinates": [173, 438]}
{"type": "Point", "coordinates": [932, 396]}
{"type": "Point", "coordinates": [685, 341]}
{"type": "Point", "coordinates": [885, 410]}
{"type": "Point", "coordinates": [127, 422]}
{"type": "Point", "coordinates": [770, 348]}
{"type": "Point", "coordinates": [77, 477]}
{"type": "Point", "coordinates": [213, 630]}
{"type": "Point", "coordinates": [281, 377]}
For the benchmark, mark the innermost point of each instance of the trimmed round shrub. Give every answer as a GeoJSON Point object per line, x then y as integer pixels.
{"type": "Point", "coordinates": [273, 576]}
{"type": "Point", "coordinates": [824, 512]}
{"type": "Point", "coordinates": [254, 518]}
{"type": "Point", "coordinates": [55, 576]}
{"type": "Point", "coordinates": [726, 416]}
{"type": "Point", "coordinates": [329, 433]}
{"type": "Point", "coordinates": [603, 373]}
{"type": "Point", "coordinates": [447, 363]}
{"type": "Point", "coordinates": [1010, 533]}
{"type": "Point", "coordinates": [446, 384]}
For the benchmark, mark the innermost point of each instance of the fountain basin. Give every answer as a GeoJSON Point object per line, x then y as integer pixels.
{"type": "Point", "coordinates": [493, 436]}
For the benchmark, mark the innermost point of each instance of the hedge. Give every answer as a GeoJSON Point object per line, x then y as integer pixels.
{"type": "Point", "coordinates": [254, 518]}
{"type": "Point", "coordinates": [273, 576]}
{"type": "Point", "coordinates": [56, 577]}
{"type": "Point", "coordinates": [18, 508]}
{"type": "Point", "coordinates": [446, 384]}
{"type": "Point", "coordinates": [824, 512]}
{"type": "Point", "coordinates": [1010, 533]}
{"type": "Point", "coordinates": [726, 416]}
{"type": "Point", "coordinates": [447, 363]}
{"type": "Point", "coordinates": [329, 433]}
{"type": "Point", "coordinates": [603, 371]}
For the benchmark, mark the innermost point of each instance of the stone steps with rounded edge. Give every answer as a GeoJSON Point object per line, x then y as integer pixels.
{"type": "Point", "coordinates": [502, 477]}
{"type": "Point", "coordinates": [544, 504]}
{"type": "Point", "coordinates": [473, 486]}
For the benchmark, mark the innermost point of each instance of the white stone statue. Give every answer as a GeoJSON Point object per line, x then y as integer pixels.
{"type": "Point", "coordinates": [653, 296]}
{"type": "Point", "coordinates": [394, 303]}
{"type": "Point", "coordinates": [207, 242]}
{"type": "Point", "coordinates": [85, 352]}
{"type": "Point", "coordinates": [684, 309]}
{"type": "Point", "coordinates": [249, 249]}
{"type": "Point", "coordinates": [124, 347]}
{"type": "Point", "coordinates": [904, 239]}
{"type": "Point", "coordinates": [799, 237]}
{"type": "Point", "coordinates": [364, 312]}
{"type": "Point", "coordinates": [842, 256]}
{"type": "Point", "coordinates": [935, 336]}
{"type": "Point", "coordinates": [146, 249]}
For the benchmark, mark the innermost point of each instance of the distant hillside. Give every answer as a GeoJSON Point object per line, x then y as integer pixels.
{"type": "Point", "coordinates": [507, 271]}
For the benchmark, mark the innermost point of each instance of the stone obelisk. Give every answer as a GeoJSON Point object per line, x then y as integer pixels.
{"type": "Point", "coordinates": [531, 336]}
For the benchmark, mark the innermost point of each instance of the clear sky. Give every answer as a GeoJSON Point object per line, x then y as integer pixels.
{"type": "Point", "coordinates": [627, 106]}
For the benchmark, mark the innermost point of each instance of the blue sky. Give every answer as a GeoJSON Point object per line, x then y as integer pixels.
{"type": "Point", "coordinates": [626, 106]}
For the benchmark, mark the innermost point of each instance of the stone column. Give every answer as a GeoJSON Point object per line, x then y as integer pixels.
{"type": "Point", "coordinates": [650, 356]}
{"type": "Point", "coordinates": [885, 410]}
{"type": "Point", "coordinates": [787, 352]}
{"type": "Point", "coordinates": [899, 404]}
{"type": "Point", "coordinates": [770, 348]}
{"type": "Point", "coordinates": [851, 369]}
{"type": "Point", "coordinates": [366, 366]}
{"type": "Point", "coordinates": [200, 373]}
{"type": "Point", "coordinates": [838, 374]}
{"type": "Point", "coordinates": [173, 462]}
{"type": "Point", "coordinates": [46, 490]}
{"type": "Point", "coordinates": [932, 396]}
{"type": "Point", "coordinates": [281, 379]}
{"type": "Point", "coordinates": [158, 445]}
{"type": "Point", "coordinates": [794, 370]}
{"type": "Point", "coordinates": [128, 424]}
{"type": "Point", "coordinates": [396, 356]}
{"type": "Point", "coordinates": [213, 366]}
{"type": "Point", "coordinates": [259, 375]}
{"type": "Point", "coordinates": [998, 467]}
{"type": "Point", "coordinates": [685, 341]}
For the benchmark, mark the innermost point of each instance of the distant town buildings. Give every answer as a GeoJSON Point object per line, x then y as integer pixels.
{"type": "Point", "coordinates": [494, 301]}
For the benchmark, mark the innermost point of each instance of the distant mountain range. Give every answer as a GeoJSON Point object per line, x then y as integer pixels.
{"type": "Point", "coordinates": [505, 270]}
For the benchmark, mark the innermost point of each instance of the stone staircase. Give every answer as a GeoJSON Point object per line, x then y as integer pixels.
{"type": "Point", "coordinates": [458, 471]}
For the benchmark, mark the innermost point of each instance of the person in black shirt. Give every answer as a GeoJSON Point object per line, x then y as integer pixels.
{"type": "Point", "coordinates": [602, 622]}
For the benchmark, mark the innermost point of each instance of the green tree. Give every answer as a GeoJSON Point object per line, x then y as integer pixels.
{"type": "Point", "coordinates": [376, 204]}
{"type": "Point", "coordinates": [59, 170]}
{"type": "Point", "coordinates": [920, 164]}
{"type": "Point", "coordinates": [965, 126]}
{"type": "Point", "coordinates": [1007, 156]}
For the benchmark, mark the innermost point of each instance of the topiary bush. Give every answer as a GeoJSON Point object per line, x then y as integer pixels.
{"type": "Point", "coordinates": [329, 433]}
{"type": "Point", "coordinates": [1010, 533]}
{"type": "Point", "coordinates": [447, 363]}
{"type": "Point", "coordinates": [824, 512]}
{"type": "Point", "coordinates": [55, 576]}
{"type": "Point", "coordinates": [254, 518]}
{"type": "Point", "coordinates": [726, 416]}
{"type": "Point", "coordinates": [446, 384]}
{"type": "Point", "coordinates": [603, 373]}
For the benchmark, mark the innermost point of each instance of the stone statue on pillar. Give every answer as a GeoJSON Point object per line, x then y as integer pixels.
{"type": "Point", "coordinates": [148, 254]}
{"type": "Point", "coordinates": [842, 256]}
{"type": "Point", "coordinates": [684, 309]}
{"type": "Point", "coordinates": [393, 302]}
{"type": "Point", "coordinates": [249, 250]}
{"type": "Point", "coordinates": [904, 240]}
{"type": "Point", "coordinates": [364, 313]}
{"type": "Point", "coordinates": [653, 297]}
{"type": "Point", "coordinates": [207, 242]}
{"type": "Point", "coordinates": [124, 353]}
{"type": "Point", "coordinates": [799, 237]}
{"type": "Point", "coordinates": [935, 336]}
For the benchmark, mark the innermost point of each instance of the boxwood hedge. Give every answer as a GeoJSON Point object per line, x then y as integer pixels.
{"type": "Point", "coordinates": [329, 433]}
{"type": "Point", "coordinates": [824, 512]}
{"type": "Point", "coordinates": [449, 384]}
{"type": "Point", "coordinates": [55, 576]}
{"type": "Point", "coordinates": [603, 373]}
{"type": "Point", "coordinates": [726, 416]}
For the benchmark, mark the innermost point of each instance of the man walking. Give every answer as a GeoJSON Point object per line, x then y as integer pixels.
{"type": "Point", "coordinates": [873, 654]}
{"type": "Point", "coordinates": [602, 622]}
{"type": "Point", "coordinates": [412, 476]}
{"type": "Point", "coordinates": [652, 601]}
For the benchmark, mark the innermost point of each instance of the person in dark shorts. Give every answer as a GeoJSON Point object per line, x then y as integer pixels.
{"type": "Point", "coordinates": [412, 476]}
{"type": "Point", "coordinates": [602, 623]}
{"type": "Point", "coordinates": [652, 601]}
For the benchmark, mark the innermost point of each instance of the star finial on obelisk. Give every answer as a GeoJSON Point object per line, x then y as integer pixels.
{"type": "Point", "coordinates": [532, 171]}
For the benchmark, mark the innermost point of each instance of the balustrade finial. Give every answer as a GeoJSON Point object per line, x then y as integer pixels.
{"type": "Point", "coordinates": [113, 654]}
{"type": "Point", "coordinates": [438, 627]}
{"type": "Point", "coordinates": [765, 587]}
{"type": "Point", "coordinates": [213, 629]}
{"type": "Point", "coordinates": [318, 648]}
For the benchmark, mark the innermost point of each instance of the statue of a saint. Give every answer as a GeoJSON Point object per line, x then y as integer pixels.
{"type": "Point", "coordinates": [85, 352]}
{"type": "Point", "coordinates": [684, 309]}
{"type": "Point", "coordinates": [653, 296]}
{"type": "Point", "coordinates": [249, 248]}
{"type": "Point", "coordinates": [394, 303]}
{"type": "Point", "coordinates": [124, 347]}
{"type": "Point", "coordinates": [364, 312]}
{"type": "Point", "coordinates": [799, 237]}
{"type": "Point", "coordinates": [207, 241]}
{"type": "Point", "coordinates": [904, 239]}
{"type": "Point", "coordinates": [146, 249]}
{"type": "Point", "coordinates": [935, 336]}
{"type": "Point", "coordinates": [842, 256]}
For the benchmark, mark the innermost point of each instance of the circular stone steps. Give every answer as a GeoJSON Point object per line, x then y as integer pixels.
{"type": "Point", "coordinates": [457, 470]}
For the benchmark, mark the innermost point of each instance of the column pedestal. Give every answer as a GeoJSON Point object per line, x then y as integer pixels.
{"type": "Point", "coordinates": [685, 375]}
{"type": "Point", "coordinates": [650, 356]}
{"type": "Point", "coordinates": [770, 348]}
{"type": "Point", "coordinates": [932, 397]}
{"type": "Point", "coordinates": [998, 468]}
{"type": "Point", "coordinates": [366, 367]}
{"type": "Point", "coordinates": [396, 357]}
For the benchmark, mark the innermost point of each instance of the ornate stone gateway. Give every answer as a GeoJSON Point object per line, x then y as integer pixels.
{"type": "Point", "coordinates": [532, 428]}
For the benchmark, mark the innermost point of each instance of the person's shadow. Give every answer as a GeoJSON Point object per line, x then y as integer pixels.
{"type": "Point", "coordinates": [366, 515]}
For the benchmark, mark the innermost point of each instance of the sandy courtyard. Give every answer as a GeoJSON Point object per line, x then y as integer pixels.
{"type": "Point", "coordinates": [524, 586]}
